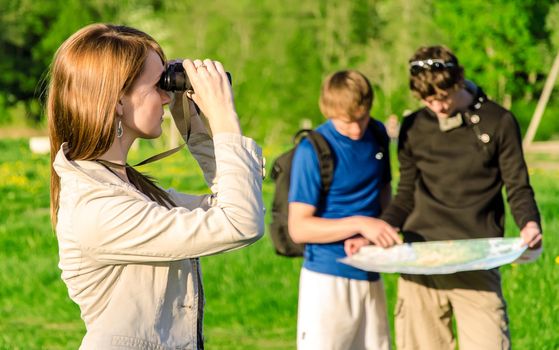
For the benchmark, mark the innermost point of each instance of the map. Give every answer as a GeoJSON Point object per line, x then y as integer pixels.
{"type": "Point", "coordinates": [443, 257]}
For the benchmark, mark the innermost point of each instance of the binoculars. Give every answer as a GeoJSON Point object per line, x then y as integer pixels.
{"type": "Point", "coordinates": [175, 78]}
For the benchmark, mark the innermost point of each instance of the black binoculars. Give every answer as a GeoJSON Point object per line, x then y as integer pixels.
{"type": "Point", "coordinates": [175, 78]}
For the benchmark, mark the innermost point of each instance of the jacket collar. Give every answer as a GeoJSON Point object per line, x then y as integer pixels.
{"type": "Point", "coordinates": [479, 96]}
{"type": "Point", "coordinates": [86, 169]}
{"type": "Point", "coordinates": [457, 120]}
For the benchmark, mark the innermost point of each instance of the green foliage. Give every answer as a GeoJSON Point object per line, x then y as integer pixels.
{"type": "Point", "coordinates": [279, 52]}
{"type": "Point", "coordinates": [23, 25]}
{"type": "Point", "coordinates": [31, 33]}
{"type": "Point", "coordinates": [493, 42]}
{"type": "Point", "coordinates": [552, 25]}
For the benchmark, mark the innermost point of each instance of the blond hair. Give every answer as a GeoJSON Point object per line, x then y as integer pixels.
{"type": "Point", "coordinates": [89, 74]}
{"type": "Point", "coordinates": [346, 93]}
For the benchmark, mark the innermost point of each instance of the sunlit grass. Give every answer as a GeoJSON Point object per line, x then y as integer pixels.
{"type": "Point", "coordinates": [251, 293]}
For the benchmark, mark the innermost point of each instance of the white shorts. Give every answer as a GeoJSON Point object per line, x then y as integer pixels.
{"type": "Point", "coordinates": [338, 313]}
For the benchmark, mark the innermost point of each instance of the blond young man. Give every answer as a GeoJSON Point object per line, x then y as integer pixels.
{"type": "Point", "coordinates": [455, 156]}
{"type": "Point", "coordinates": [341, 307]}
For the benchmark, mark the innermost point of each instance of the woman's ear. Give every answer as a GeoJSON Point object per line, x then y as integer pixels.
{"type": "Point", "coordinates": [119, 108]}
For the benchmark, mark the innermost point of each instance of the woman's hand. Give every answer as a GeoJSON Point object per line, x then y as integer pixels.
{"type": "Point", "coordinates": [213, 95]}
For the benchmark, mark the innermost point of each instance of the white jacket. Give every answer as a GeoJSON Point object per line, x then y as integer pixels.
{"type": "Point", "coordinates": [130, 263]}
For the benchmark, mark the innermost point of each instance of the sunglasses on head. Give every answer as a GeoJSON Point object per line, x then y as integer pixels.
{"type": "Point", "coordinates": [432, 64]}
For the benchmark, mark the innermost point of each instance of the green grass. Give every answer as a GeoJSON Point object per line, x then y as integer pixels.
{"type": "Point", "coordinates": [251, 293]}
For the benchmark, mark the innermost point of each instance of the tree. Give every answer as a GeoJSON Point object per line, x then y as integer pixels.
{"type": "Point", "coordinates": [402, 26]}
{"type": "Point", "coordinates": [494, 41]}
{"type": "Point", "coordinates": [33, 31]}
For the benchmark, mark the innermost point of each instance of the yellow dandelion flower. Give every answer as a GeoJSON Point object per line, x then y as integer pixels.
{"type": "Point", "coordinates": [557, 260]}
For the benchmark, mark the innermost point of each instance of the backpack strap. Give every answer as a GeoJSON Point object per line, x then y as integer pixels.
{"type": "Point", "coordinates": [324, 154]}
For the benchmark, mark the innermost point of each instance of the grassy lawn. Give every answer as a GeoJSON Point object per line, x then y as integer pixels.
{"type": "Point", "coordinates": [251, 293]}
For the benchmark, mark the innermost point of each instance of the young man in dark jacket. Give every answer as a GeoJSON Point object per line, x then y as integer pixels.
{"type": "Point", "coordinates": [455, 155]}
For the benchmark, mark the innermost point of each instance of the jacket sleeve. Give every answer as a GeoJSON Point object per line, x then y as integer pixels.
{"type": "Point", "coordinates": [202, 149]}
{"type": "Point", "coordinates": [117, 227]}
{"type": "Point", "coordinates": [514, 172]}
{"type": "Point", "coordinates": [402, 204]}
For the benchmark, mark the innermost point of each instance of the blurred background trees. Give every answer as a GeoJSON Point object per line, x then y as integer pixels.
{"type": "Point", "coordinates": [279, 52]}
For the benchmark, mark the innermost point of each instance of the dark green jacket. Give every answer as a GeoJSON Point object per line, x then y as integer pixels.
{"type": "Point", "coordinates": [451, 182]}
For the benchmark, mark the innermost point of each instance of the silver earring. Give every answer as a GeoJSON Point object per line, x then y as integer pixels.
{"type": "Point", "coordinates": [119, 130]}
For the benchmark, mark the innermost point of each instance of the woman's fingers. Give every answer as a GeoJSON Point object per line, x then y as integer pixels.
{"type": "Point", "coordinates": [219, 67]}
{"type": "Point", "coordinates": [213, 94]}
{"type": "Point", "coordinates": [189, 66]}
{"type": "Point", "coordinates": [209, 65]}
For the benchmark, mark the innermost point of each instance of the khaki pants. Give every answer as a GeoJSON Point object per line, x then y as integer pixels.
{"type": "Point", "coordinates": [426, 304]}
{"type": "Point", "coordinates": [338, 313]}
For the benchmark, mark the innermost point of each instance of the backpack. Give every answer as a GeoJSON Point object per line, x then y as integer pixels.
{"type": "Point", "coordinates": [280, 174]}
